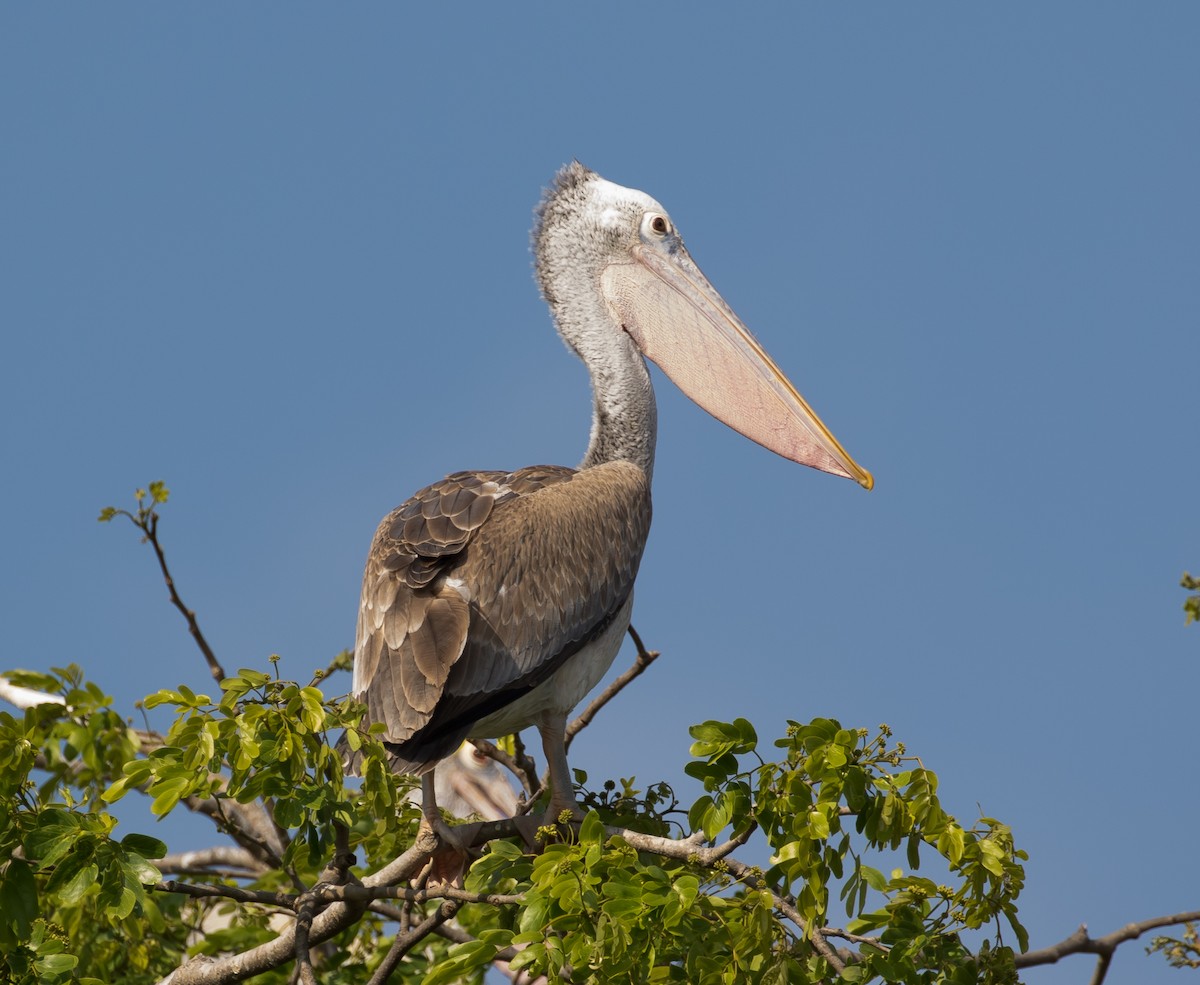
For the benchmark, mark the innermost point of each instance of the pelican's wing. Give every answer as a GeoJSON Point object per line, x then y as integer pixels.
{"type": "Point", "coordinates": [479, 587]}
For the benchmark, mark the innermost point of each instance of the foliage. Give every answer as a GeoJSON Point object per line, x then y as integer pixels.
{"type": "Point", "coordinates": [1191, 605]}
{"type": "Point", "coordinates": [1180, 952]}
{"type": "Point", "coordinates": [864, 875]}
{"type": "Point", "coordinates": [591, 901]}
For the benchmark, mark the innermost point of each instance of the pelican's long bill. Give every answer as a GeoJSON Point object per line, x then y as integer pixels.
{"type": "Point", "coordinates": [682, 324]}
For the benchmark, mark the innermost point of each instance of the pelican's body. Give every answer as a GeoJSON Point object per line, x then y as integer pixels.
{"type": "Point", "coordinates": [496, 600]}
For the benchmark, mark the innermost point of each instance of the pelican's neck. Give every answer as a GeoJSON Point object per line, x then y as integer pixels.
{"type": "Point", "coordinates": [624, 415]}
{"type": "Point", "coordinates": [582, 226]}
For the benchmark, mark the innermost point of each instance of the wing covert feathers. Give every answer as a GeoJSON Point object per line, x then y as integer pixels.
{"type": "Point", "coordinates": [481, 585]}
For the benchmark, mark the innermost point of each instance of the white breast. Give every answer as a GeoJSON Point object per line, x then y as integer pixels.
{"type": "Point", "coordinates": [565, 689]}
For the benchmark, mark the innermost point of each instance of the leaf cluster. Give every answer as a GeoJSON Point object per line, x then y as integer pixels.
{"type": "Point", "coordinates": [1191, 605]}
{"type": "Point", "coordinates": [64, 876]}
{"type": "Point", "coordinates": [1182, 951]}
{"type": "Point", "coordinates": [598, 906]}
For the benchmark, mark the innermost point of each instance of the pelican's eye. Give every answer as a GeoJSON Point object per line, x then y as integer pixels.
{"type": "Point", "coordinates": [657, 225]}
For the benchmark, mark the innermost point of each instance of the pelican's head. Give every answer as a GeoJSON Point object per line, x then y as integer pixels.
{"type": "Point", "coordinates": [611, 256]}
{"type": "Point", "coordinates": [471, 782]}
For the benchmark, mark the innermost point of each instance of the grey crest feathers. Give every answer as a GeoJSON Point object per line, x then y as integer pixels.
{"type": "Point", "coordinates": [565, 197]}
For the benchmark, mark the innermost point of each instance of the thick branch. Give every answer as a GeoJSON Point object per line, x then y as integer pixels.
{"type": "Point", "coordinates": [220, 857]}
{"type": "Point", "coordinates": [304, 918]}
{"type": "Point", "coordinates": [337, 917]}
{"type": "Point", "coordinates": [26, 697]}
{"type": "Point", "coordinates": [247, 824]}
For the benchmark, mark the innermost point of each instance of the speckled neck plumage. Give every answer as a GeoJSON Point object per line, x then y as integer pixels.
{"type": "Point", "coordinates": [573, 239]}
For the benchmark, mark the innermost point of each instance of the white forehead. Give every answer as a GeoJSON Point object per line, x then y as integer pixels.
{"type": "Point", "coordinates": [609, 203]}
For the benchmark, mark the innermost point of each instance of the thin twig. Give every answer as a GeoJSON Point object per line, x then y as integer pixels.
{"type": "Point", "coordinates": [1101, 970]}
{"type": "Point", "coordinates": [214, 665]}
{"type": "Point", "coordinates": [493, 751]}
{"type": "Point", "coordinates": [265, 897]}
{"type": "Point", "coordinates": [528, 770]}
{"type": "Point", "coordinates": [643, 660]}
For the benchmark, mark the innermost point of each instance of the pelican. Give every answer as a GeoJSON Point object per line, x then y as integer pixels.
{"type": "Point", "coordinates": [470, 782]}
{"type": "Point", "coordinates": [496, 600]}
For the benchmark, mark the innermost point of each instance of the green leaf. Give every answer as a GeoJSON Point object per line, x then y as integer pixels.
{"type": "Point", "coordinates": [951, 843]}
{"type": "Point", "coordinates": [914, 851]}
{"type": "Point", "coordinates": [698, 812]}
{"type": "Point", "coordinates": [256, 677]}
{"type": "Point", "coordinates": [72, 879]}
{"type": "Point", "coordinates": [873, 878]}
{"type": "Point", "coordinates": [144, 845]}
{"type": "Point", "coordinates": [19, 897]}
{"type": "Point", "coordinates": [55, 834]}
{"type": "Point", "coordinates": [140, 871]}
{"type": "Point", "coordinates": [746, 733]}
{"type": "Point", "coordinates": [818, 825]}
{"type": "Point", "coordinates": [460, 961]}
{"type": "Point", "coordinates": [34, 680]}
{"type": "Point", "coordinates": [592, 830]}
{"type": "Point", "coordinates": [1010, 912]}
{"type": "Point", "coordinates": [55, 964]}
{"type": "Point", "coordinates": [164, 802]}
{"type": "Point", "coordinates": [869, 922]}
{"type": "Point", "coordinates": [687, 888]}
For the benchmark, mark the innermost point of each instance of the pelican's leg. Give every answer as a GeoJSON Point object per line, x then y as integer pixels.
{"type": "Point", "coordinates": [450, 859]}
{"type": "Point", "coordinates": [553, 729]}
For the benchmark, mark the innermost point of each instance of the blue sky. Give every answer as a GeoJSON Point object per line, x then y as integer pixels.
{"type": "Point", "coordinates": [278, 257]}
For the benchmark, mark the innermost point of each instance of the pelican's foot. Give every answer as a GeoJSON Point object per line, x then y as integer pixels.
{"type": "Point", "coordinates": [562, 810]}
{"type": "Point", "coordinates": [449, 860]}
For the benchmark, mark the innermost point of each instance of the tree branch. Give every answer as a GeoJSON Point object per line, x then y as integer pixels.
{"type": "Point", "coordinates": [1081, 942]}
{"type": "Point", "coordinates": [150, 527]}
{"type": "Point", "coordinates": [236, 893]}
{"type": "Point", "coordinates": [493, 751]}
{"type": "Point", "coordinates": [206, 859]}
{"type": "Point", "coordinates": [333, 920]}
{"type": "Point", "coordinates": [26, 697]}
{"type": "Point", "coordinates": [643, 660]}
{"type": "Point", "coordinates": [304, 918]}
{"type": "Point", "coordinates": [329, 908]}
{"type": "Point", "coordinates": [404, 942]}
